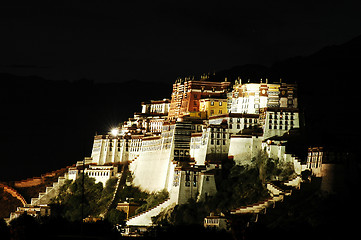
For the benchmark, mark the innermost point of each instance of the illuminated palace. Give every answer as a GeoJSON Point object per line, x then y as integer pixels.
{"type": "Point", "coordinates": [176, 144]}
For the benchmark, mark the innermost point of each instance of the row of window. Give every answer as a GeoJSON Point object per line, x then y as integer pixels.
{"type": "Point", "coordinates": [218, 142]}
{"type": "Point", "coordinates": [219, 112]}
{"type": "Point", "coordinates": [188, 181]}
{"type": "Point", "coordinates": [246, 120]}
{"type": "Point", "coordinates": [218, 135]}
{"type": "Point", "coordinates": [286, 117]}
{"type": "Point", "coordinates": [97, 174]}
{"type": "Point", "coordinates": [219, 103]}
{"type": "Point", "coordinates": [287, 127]}
{"type": "Point", "coordinates": [281, 122]}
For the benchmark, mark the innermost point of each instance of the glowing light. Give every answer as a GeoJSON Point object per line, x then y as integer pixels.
{"type": "Point", "coordinates": [115, 131]}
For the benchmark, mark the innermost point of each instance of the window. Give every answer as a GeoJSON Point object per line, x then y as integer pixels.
{"type": "Point", "coordinates": [220, 111]}
{"type": "Point", "coordinates": [212, 103]}
{"type": "Point", "coordinates": [195, 96]}
{"type": "Point", "coordinates": [212, 112]}
{"type": "Point", "coordinates": [238, 126]}
{"type": "Point", "coordinates": [217, 142]}
{"type": "Point", "coordinates": [220, 103]}
{"type": "Point", "coordinates": [224, 142]}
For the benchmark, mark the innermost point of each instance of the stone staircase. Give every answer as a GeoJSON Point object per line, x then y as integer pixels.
{"type": "Point", "coordinates": [144, 219]}
{"type": "Point", "coordinates": [50, 192]}
{"type": "Point", "coordinates": [119, 186]}
{"type": "Point", "coordinates": [295, 182]}
{"type": "Point", "coordinates": [277, 194]}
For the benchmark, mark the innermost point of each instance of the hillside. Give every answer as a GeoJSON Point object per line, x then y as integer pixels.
{"type": "Point", "coordinates": [328, 90]}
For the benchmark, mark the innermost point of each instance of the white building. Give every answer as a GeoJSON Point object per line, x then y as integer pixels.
{"type": "Point", "coordinates": [192, 183]}
{"type": "Point", "coordinates": [314, 160]}
{"type": "Point", "coordinates": [158, 106]}
{"type": "Point", "coordinates": [251, 97]}
{"type": "Point", "coordinates": [236, 121]}
{"type": "Point", "coordinates": [243, 148]}
{"type": "Point", "coordinates": [210, 146]}
{"type": "Point", "coordinates": [101, 173]}
{"type": "Point", "coordinates": [34, 211]}
{"type": "Point", "coordinates": [278, 121]}
{"type": "Point", "coordinates": [217, 222]}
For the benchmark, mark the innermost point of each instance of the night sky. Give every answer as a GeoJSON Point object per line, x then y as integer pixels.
{"type": "Point", "coordinates": [110, 41]}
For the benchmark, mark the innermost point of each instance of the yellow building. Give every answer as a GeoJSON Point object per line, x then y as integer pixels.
{"type": "Point", "coordinates": [213, 106]}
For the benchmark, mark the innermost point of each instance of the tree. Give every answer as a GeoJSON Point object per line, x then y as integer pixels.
{"type": "Point", "coordinates": [70, 198]}
{"type": "Point", "coordinates": [24, 227]}
{"type": "Point", "coordinates": [115, 216]}
{"type": "Point", "coordinates": [153, 200]}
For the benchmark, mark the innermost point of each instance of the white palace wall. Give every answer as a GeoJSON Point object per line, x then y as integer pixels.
{"type": "Point", "coordinates": [243, 148]}
{"type": "Point", "coordinates": [153, 170]}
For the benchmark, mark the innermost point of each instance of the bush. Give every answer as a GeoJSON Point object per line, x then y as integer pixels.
{"type": "Point", "coordinates": [115, 216]}
{"type": "Point", "coordinates": [153, 200]}
{"type": "Point", "coordinates": [68, 203]}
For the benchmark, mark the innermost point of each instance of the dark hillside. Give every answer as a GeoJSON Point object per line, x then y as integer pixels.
{"type": "Point", "coordinates": [329, 83]}
{"type": "Point", "coordinates": [50, 124]}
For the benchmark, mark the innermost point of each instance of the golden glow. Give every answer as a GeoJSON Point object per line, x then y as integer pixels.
{"type": "Point", "coordinates": [115, 132]}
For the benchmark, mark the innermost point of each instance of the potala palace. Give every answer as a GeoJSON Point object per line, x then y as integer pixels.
{"type": "Point", "coordinates": [177, 144]}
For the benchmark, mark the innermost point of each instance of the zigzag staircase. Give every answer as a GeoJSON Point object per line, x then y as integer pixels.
{"type": "Point", "coordinates": [145, 218]}
{"type": "Point", "coordinates": [119, 186]}
{"type": "Point", "coordinates": [50, 192]}
{"type": "Point", "coordinates": [277, 194]}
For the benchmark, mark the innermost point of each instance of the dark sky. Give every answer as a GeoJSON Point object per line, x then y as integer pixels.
{"type": "Point", "coordinates": [161, 40]}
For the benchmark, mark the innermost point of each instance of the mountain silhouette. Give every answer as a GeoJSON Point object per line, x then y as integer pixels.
{"type": "Point", "coordinates": [48, 125]}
